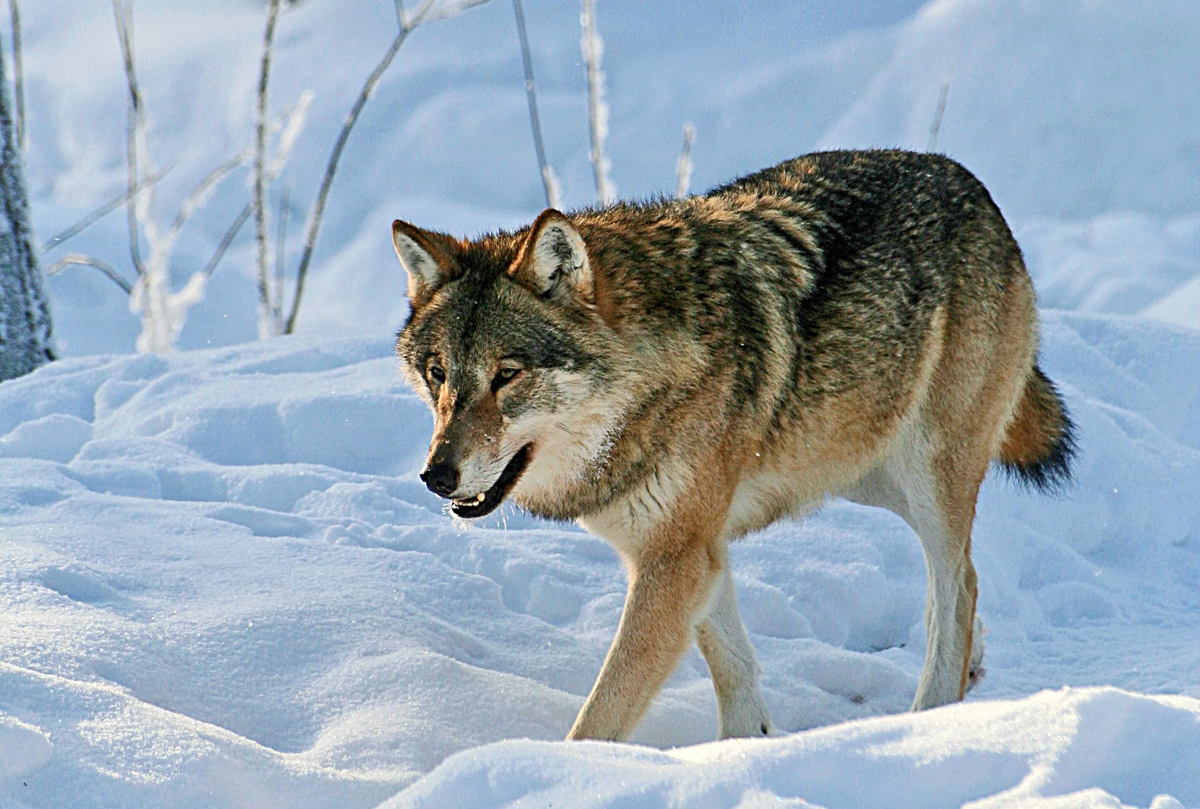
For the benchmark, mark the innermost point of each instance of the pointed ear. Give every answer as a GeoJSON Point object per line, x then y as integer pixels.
{"type": "Point", "coordinates": [425, 256]}
{"type": "Point", "coordinates": [554, 261]}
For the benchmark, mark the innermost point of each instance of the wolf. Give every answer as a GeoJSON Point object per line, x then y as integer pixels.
{"type": "Point", "coordinates": [675, 374]}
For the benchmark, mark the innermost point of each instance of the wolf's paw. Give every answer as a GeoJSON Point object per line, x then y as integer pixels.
{"type": "Point", "coordinates": [746, 715]}
{"type": "Point", "coordinates": [975, 668]}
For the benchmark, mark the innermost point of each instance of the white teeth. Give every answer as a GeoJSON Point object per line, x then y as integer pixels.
{"type": "Point", "coordinates": [480, 498]}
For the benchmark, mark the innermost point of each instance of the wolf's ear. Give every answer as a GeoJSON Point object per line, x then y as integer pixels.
{"type": "Point", "coordinates": [554, 262]}
{"type": "Point", "coordinates": [425, 256]}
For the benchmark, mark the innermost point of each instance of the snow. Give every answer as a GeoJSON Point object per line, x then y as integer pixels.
{"type": "Point", "coordinates": [1066, 748]}
{"type": "Point", "coordinates": [222, 583]}
{"type": "Point", "coordinates": [1041, 90]}
{"type": "Point", "coordinates": [222, 575]}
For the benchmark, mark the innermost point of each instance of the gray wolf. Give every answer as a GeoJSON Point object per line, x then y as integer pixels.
{"type": "Point", "coordinates": [675, 374]}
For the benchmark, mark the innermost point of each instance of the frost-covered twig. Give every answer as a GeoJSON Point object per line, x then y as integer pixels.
{"type": "Point", "coordinates": [548, 179]}
{"type": "Point", "coordinates": [81, 260]}
{"type": "Point", "coordinates": [260, 147]}
{"type": "Point", "coordinates": [162, 309]}
{"type": "Point", "coordinates": [433, 10]}
{"type": "Point", "coordinates": [683, 166]}
{"type": "Point", "coordinates": [18, 72]}
{"type": "Point", "coordinates": [593, 49]}
{"type": "Point", "coordinates": [290, 124]}
{"type": "Point", "coordinates": [941, 110]}
{"type": "Point", "coordinates": [134, 126]}
{"type": "Point", "coordinates": [104, 210]}
{"type": "Point", "coordinates": [427, 11]}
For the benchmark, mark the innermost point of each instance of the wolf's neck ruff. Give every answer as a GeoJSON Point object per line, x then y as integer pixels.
{"type": "Point", "coordinates": [676, 374]}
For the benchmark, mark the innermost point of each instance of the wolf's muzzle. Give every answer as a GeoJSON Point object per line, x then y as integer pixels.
{"type": "Point", "coordinates": [487, 502]}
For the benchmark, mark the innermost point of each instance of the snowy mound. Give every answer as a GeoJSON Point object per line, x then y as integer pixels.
{"type": "Point", "coordinates": [223, 579]}
{"type": "Point", "coordinates": [1084, 748]}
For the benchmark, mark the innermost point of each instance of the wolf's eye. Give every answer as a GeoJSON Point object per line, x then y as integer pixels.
{"type": "Point", "coordinates": [503, 377]}
{"type": "Point", "coordinates": [437, 374]}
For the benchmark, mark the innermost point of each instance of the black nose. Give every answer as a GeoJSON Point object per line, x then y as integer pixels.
{"type": "Point", "coordinates": [441, 479]}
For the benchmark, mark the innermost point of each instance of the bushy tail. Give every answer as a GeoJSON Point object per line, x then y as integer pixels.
{"type": "Point", "coordinates": [1039, 442]}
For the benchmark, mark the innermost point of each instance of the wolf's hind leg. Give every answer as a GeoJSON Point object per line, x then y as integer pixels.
{"type": "Point", "coordinates": [723, 640]}
{"type": "Point", "coordinates": [949, 610]}
{"type": "Point", "coordinates": [909, 486]}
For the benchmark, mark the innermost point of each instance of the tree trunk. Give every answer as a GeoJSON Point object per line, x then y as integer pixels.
{"type": "Point", "coordinates": [26, 339]}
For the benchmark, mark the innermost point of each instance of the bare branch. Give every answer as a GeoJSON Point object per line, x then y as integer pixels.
{"type": "Point", "coordinates": [683, 166]}
{"type": "Point", "coordinates": [941, 109]}
{"type": "Point", "coordinates": [227, 239]}
{"type": "Point", "coordinates": [79, 259]}
{"type": "Point", "coordinates": [291, 123]}
{"type": "Point", "coordinates": [18, 72]}
{"type": "Point", "coordinates": [124, 20]}
{"type": "Point", "coordinates": [407, 24]}
{"type": "Point", "coordinates": [553, 189]}
{"type": "Point", "coordinates": [364, 95]}
{"type": "Point", "coordinates": [194, 199]}
{"type": "Point", "coordinates": [260, 148]}
{"type": "Point", "coordinates": [280, 251]}
{"type": "Point", "coordinates": [103, 210]}
{"type": "Point", "coordinates": [531, 96]}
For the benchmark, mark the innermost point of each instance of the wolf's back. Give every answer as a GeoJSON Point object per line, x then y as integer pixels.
{"type": "Point", "coordinates": [892, 225]}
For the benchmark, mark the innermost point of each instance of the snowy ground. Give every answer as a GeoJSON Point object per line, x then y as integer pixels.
{"type": "Point", "coordinates": [221, 583]}
{"type": "Point", "coordinates": [222, 579]}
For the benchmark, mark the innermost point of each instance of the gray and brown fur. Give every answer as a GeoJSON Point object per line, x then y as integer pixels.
{"type": "Point", "coordinates": [680, 373]}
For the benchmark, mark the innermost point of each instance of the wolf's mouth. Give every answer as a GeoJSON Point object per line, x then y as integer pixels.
{"type": "Point", "coordinates": [486, 503]}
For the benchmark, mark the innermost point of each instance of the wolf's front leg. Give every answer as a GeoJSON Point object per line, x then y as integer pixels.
{"type": "Point", "coordinates": [667, 590]}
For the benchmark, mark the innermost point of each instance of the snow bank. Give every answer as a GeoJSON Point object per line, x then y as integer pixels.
{"type": "Point", "coordinates": [222, 578]}
{"type": "Point", "coordinates": [1121, 263]}
{"type": "Point", "coordinates": [1071, 748]}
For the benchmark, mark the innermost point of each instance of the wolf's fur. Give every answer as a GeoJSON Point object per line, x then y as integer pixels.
{"type": "Point", "coordinates": [676, 374]}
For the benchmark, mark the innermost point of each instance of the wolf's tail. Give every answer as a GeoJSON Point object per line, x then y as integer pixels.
{"type": "Point", "coordinates": [1039, 442]}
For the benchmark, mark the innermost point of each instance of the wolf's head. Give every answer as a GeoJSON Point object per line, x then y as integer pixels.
{"type": "Point", "coordinates": [507, 345]}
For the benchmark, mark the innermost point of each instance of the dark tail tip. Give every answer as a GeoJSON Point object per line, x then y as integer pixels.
{"type": "Point", "coordinates": [1051, 474]}
{"type": "Point", "coordinates": [1041, 441]}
